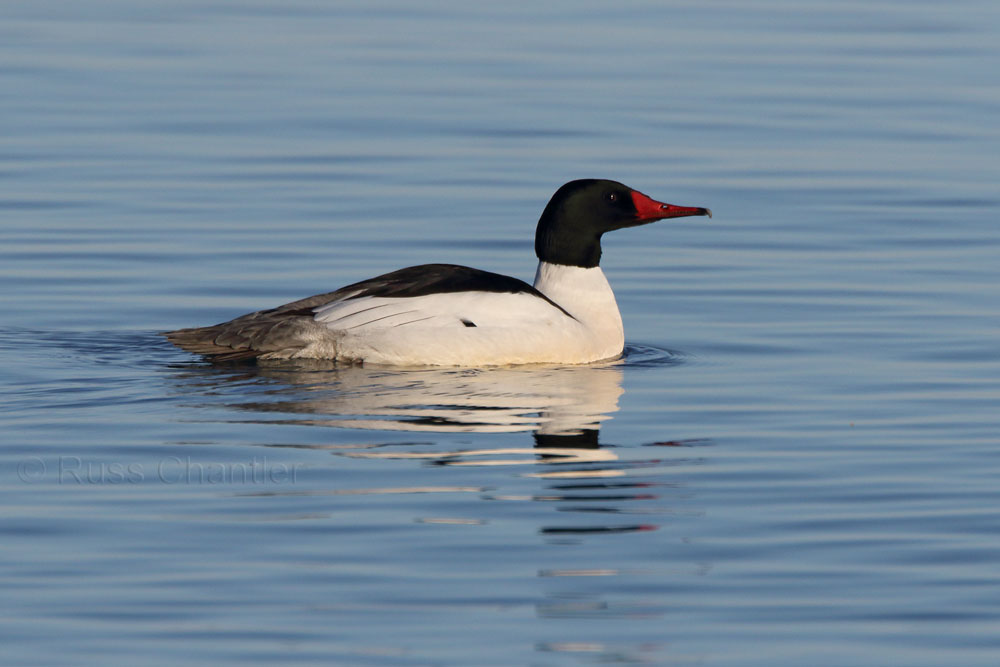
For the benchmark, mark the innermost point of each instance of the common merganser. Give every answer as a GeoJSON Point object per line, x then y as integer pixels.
{"type": "Point", "coordinates": [448, 315]}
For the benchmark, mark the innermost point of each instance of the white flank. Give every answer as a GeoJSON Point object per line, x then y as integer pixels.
{"type": "Point", "coordinates": [510, 328]}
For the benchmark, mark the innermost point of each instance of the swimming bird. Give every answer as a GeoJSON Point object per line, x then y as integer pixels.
{"type": "Point", "coordinates": [449, 315]}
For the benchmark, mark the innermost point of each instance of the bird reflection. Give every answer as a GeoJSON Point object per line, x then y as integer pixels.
{"type": "Point", "coordinates": [562, 407]}
{"type": "Point", "coordinates": [528, 461]}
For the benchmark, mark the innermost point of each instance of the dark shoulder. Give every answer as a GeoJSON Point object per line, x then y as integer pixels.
{"type": "Point", "coordinates": [414, 281]}
{"type": "Point", "coordinates": [434, 279]}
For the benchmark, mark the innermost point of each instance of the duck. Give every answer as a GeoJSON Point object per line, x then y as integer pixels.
{"type": "Point", "coordinates": [452, 315]}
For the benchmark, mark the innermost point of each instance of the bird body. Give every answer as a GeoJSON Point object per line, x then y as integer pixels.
{"type": "Point", "coordinates": [449, 315]}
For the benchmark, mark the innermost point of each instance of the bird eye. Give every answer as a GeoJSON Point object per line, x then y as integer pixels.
{"type": "Point", "coordinates": [612, 196]}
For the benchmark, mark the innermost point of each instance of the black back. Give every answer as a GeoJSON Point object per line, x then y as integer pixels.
{"type": "Point", "coordinates": [436, 279]}
{"type": "Point", "coordinates": [439, 279]}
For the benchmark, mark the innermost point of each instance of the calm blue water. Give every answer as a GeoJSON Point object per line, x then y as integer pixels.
{"type": "Point", "coordinates": [796, 463]}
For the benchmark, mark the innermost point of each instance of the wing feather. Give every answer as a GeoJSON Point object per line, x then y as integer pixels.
{"type": "Point", "coordinates": [428, 296]}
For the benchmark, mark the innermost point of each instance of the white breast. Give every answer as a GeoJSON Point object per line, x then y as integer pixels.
{"type": "Point", "coordinates": [585, 294]}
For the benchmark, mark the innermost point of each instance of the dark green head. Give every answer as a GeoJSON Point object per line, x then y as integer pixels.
{"type": "Point", "coordinates": [580, 212]}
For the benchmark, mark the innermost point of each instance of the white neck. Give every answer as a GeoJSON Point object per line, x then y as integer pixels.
{"type": "Point", "coordinates": [586, 295]}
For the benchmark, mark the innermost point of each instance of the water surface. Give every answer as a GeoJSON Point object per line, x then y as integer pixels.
{"type": "Point", "coordinates": [795, 462]}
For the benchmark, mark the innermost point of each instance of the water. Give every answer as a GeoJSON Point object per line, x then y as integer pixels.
{"type": "Point", "coordinates": [796, 462]}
